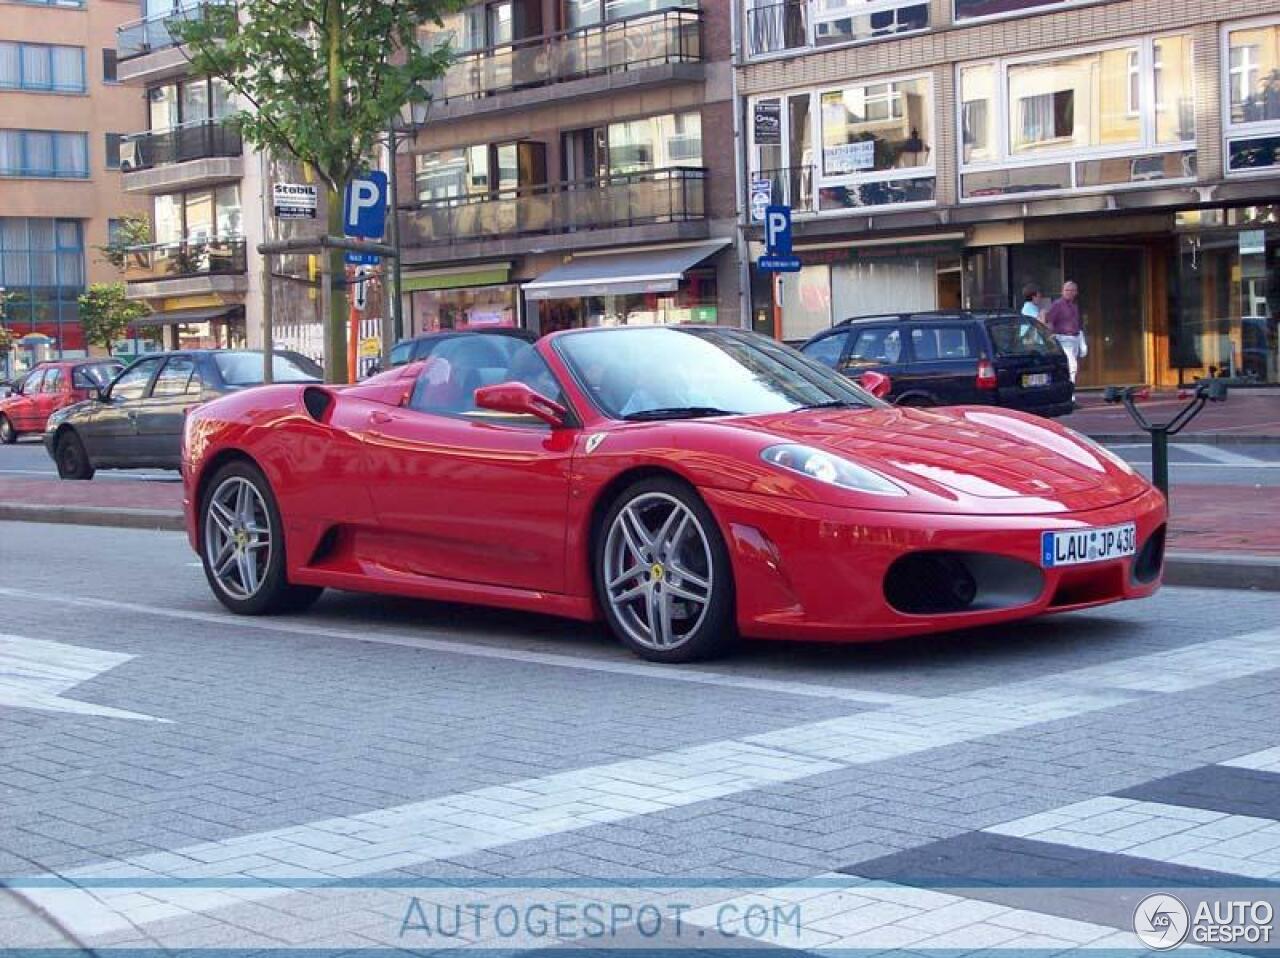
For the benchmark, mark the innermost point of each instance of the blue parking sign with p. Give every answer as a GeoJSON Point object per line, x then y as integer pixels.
{"type": "Point", "coordinates": [364, 211]}
{"type": "Point", "coordinates": [777, 230]}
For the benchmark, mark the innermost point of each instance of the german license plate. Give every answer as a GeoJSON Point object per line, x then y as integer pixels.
{"type": "Point", "coordinates": [1087, 545]}
{"type": "Point", "coordinates": [1035, 379]}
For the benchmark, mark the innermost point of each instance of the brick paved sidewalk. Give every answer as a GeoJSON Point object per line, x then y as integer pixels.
{"type": "Point", "coordinates": [1254, 414]}
{"type": "Point", "coordinates": [101, 494]}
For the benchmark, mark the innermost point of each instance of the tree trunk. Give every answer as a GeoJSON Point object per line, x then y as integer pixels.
{"type": "Point", "coordinates": [334, 274]}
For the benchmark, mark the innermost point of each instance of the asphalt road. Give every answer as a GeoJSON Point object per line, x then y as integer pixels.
{"type": "Point", "coordinates": [152, 740]}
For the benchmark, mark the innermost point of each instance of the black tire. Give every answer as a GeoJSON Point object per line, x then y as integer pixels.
{"type": "Point", "coordinates": [275, 594]}
{"type": "Point", "coordinates": [8, 435]}
{"type": "Point", "coordinates": [70, 457]}
{"type": "Point", "coordinates": [711, 635]}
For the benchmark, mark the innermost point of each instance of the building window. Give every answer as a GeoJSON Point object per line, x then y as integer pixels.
{"type": "Point", "coordinates": [41, 68]}
{"type": "Point", "coordinates": [109, 74]}
{"type": "Point", "coordinates": [70, 4]}
{"type": "Point", "coordinates": [197, 100]}
{"type": "Point", "coordinates": [198, 215]}
{"type": "Point", "coordinates": [972, 9]}
{"type": "Point", "coordinates": [44, 153]}
{"type": "Point", "coordinates": [774, 26]}
{"type": "Point", "coordinates": [1099, 118]}
{"type": "Point", "coordinates": [1253, 84]}
{"type": "Point", "coordinates": [112, 142]}
{"type": "Point", "coordinates": [42, 269]}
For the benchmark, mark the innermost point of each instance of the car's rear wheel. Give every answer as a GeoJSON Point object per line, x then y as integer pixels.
{"type": "Point", "coordinates": [70, 457]}
{"type": "Point", "coordinates": [662, 573]}
{"type": "Point", "coordinates": [242, 544]}
{"type": "Point", "coordinates": [8, 435]}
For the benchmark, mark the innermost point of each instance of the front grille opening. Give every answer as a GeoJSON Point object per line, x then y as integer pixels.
{"type": "Point", "coordinates": [1150, 558]}
{"type": "Point", "coordinates": [932, 583]}
{"type": "Point", "coordinates": [1100, 584]}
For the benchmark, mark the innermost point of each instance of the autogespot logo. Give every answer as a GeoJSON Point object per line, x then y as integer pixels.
{"type": "Point", "coordinates": [1161, 922]}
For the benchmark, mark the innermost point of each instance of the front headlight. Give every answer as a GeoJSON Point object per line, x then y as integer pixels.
{"type": "Point", "coordinates": [1106, 454]}
{"type": "Point", "coordinates": [830, 469]}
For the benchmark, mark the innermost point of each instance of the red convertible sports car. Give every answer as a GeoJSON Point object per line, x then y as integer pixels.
{"type": "Point", "coordinates": [686, 484]}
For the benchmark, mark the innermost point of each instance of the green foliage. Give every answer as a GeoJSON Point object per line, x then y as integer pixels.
{"type": "Point", "coordinates": [105, 314]}
{"type": "Point", "coordinates": [133, 231]}
{"type": "Point", "coordinates": [322, 78]}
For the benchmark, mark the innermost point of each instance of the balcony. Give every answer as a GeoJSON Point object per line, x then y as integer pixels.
{"type": "Point", "coordinates": [778, 27]}
{"type": "Point", "coordinates": [147, 49]}
{"type": "Point", "coordinates": [667, 203]}
{"type": "Point", "coordinates": [188, 156]}
{"type": "Point", "coordinates": [196, 266]}
{"type": "Point", "coordinates": [641, 50]}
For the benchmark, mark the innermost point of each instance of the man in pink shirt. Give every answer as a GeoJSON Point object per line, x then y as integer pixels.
{"type": "Point", "coordinates": [1063, 319]}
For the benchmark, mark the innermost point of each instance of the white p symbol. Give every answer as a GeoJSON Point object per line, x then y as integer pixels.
{"type": "Point", "coordinates": [775, 225]}
{"type": "Point", "coordinates": [364, 195]}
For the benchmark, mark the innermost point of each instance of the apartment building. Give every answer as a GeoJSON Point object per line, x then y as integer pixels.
{"type": "Point", "coordinates": [947, 153]}
{"type": "Point", "coordinates": [62, 111]}
{"type": "Point", "coordinates": [576, 168]}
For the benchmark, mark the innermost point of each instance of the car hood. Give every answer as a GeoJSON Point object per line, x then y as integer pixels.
{"type": "Point", "coordinates": [974, 458]}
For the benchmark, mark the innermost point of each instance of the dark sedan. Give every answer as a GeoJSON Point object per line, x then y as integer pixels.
{"type": "Point", "coordinates": [136, 421]}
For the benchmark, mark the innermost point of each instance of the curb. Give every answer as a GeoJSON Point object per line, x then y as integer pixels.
{"type": "Point", "coordinates": [122, 518]}
{"type": "Point", "coordinates": [1203, 439]}
{"type": "Point", "coordinates": [1211, 570]}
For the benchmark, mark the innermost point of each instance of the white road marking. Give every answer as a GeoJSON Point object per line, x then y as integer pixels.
{"type": "Point", "coordinates": [313, 629]}
{"type": "Point", "coordinates": [387, 839]}
{"type": "Point", "coordinates": [1174, 834]}
{"type": "Point", "coordinates": [1218, 454]}
{"type": "Point", "coordinates": [34, 674]}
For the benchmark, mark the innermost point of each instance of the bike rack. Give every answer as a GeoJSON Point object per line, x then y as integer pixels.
{"type": "Point", "coordinates": [1208, 391]}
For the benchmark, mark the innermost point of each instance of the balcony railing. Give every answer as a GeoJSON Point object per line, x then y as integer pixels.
{"type": "Point", "coordinates": [139, 37]}
{"type": "Point", "coordinates": [778, 26]}
{"type": "Point", "coordinates": [645, 40]}
{"type": "Point", "coordinates": [191, 141]}
{"type": "Point", "coordinates": [209, 257]}
{"type": "Point", "coordinates": [636, 199]}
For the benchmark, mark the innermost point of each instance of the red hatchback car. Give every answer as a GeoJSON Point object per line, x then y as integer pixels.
{"type": "Point", "coordinates": [48, 388]}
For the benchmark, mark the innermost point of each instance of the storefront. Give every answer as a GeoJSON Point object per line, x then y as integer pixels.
{"type": "Point", "coordinates": [460, 298]}
{"type": "Point", "coordinates": [658, 286]}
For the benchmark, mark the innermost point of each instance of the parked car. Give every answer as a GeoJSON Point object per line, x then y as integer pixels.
{"type": "Point", "coordinates": [686, 484]}
{"type": "Point", "coordinates": [989, 358]}
{"type": "Point", "coordinates": [421, 347]}
{"type": "Point", "coordinates": [136, 420]}
{"type": "Point", "coordinates": [48, 388]}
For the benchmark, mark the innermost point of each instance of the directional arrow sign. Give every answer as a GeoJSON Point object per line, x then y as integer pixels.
{"type": "Point", "coordinates": [35, 673]}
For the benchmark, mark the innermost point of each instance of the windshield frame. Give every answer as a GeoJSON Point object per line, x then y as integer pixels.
{"type": "Point", "coordinates": [837, 386]}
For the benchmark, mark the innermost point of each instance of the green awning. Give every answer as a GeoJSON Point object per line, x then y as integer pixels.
{"type": "Point", "coordinates": [456, 279]}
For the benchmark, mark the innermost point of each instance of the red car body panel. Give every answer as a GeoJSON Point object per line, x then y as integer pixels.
{"type": "Point", "coordinates": [30, 413]}
{"type": "Point", "coordinates": [380, 498]}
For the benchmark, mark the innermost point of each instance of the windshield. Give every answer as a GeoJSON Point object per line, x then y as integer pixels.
{"type": "Point", "coordinates": [1021, 336]}
{"type": "Point", "coordinates": [668, 372]}
{"type": "Point", "coordinates": [245, 369]}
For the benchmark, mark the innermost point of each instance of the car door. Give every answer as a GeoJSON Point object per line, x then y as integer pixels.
{"type": "Point", "coordinates": [944, 364]}
{"type": "Point", "coordinates": [53, 396]}
{"type": "Point", "coordinates": [876, 348]}
{"type": "Point", "coordinates": [24, 411]}
{"type": "Point", "coordinates": [160, 414]}
{"type": "Point", "coordinates": [110, 431]}
{"type": "Point", "coordinates": [464, 494]}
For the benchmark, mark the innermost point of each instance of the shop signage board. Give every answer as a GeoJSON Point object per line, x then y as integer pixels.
{"type": "Point", "coordinates": [295, 201]}
{"type": "Point", "coordinates": [849, 157]}
{"type": "Point", "coordinates": [767, 122]}
{"type": "Point", "coordinates": [761, 197]}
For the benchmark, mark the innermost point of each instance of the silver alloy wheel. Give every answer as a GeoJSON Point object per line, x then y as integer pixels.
{"type": "Point", "coordinates": [658, 572]}
{"type": "Point", "coordinates": [6, 429]}
{"type": "Point", "coordinates": [237, 537]}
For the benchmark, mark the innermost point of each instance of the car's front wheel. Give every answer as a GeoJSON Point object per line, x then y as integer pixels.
{"type": "Point", "coordinates": [242, 544]}
{"type": "Point", "coordinates": [70, 457]}
{"type": "Point", "coordinates": [662, 573]}
{"type": "Point", "coordinates": [8, 435]}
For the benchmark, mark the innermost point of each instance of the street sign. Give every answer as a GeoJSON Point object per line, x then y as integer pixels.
{"type": "Point", "coordinates": [778, 264]}
{"type": "Point", "coordinates": [777, 230]}
{"type": "Point", "coordinates": [360, 290]}
{"type": "Point", "coordinates": [294, 201]}
{"type": "Point", "coordinates": [761, 197]}
{"type": "Point", "coordinates": [364, 210]}
{"type": "Point", "coordinates": [361, 259]}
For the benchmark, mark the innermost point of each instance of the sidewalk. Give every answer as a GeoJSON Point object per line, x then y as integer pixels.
{"type": "Point", "coordinates": [1225, 536]}
{"type": "Point", "coordinates": [1251, 415]}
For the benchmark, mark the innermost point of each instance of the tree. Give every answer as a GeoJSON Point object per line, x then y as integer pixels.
{"type": "Point", "coordinates": [132, 231]}
{"type": "Point", "coordinates": [105, 313]}
{"type": "Point", "coordinates": [323, 79]}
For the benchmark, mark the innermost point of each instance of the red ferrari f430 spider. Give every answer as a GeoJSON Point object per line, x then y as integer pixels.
{"type": "Point", "coordinates": [688, 485]}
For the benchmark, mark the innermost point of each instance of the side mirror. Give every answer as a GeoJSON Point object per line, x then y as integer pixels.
{"type": "Point", "coordinates": [518, 399]}
{"type": "Point", "coordinates": [878, 384]}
